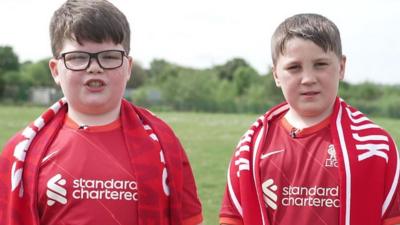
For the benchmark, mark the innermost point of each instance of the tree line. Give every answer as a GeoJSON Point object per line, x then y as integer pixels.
{"type": "Point", "coordinates": [233, 87]}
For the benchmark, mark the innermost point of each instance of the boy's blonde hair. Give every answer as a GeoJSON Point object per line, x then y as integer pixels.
{"type": "Point", "coordinates": [313, 27]}
{"type": "Point", "coordinates": [88, 20]}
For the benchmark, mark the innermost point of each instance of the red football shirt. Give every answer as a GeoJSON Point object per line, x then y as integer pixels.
{"type": "Point", "coordinates": [87, 178]}
{"type": "Point", "coordinates": [299, 175]}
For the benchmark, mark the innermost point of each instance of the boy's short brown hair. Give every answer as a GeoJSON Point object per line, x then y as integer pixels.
{"type": "Point", "coordinates": [313, 27]}
{"type": "Point", "coordinates": [88, 20]}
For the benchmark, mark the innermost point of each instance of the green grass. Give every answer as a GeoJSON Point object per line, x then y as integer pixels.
{"type": "Point", "coordinates": [13, 119]}
{"type": "Point", "coordinates": [209, 140]}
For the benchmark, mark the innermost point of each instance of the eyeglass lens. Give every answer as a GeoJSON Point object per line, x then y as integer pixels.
{"type": "Point", "coordinates": [81, 60]}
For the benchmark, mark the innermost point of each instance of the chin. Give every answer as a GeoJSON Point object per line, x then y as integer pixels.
{"type": "Point", "coordinates": [310, 110]}
{"type": "Point", "coordinates": [97, 101]}
{"type": "Point", "coordinates": [317, 112]}
{"type": "Point", "coordinates": [97, 110]}
{"type": "Point", "coordinates": [94, 107]}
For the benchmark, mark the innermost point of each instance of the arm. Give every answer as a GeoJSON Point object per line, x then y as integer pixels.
{"type": "Point", "coordinates": [191, 206]}
{"type": "Point", "coordinates": [228, 214]}
{"type": "Point", "coordinates": [392, 214]}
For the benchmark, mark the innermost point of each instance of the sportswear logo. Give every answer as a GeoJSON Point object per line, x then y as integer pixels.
{"type": "Point", "coordinates": [56, 192]}
{"type": "Point", "coordinates": [263, 156]}
{"type": "Point", "coordinates": [331, 161]}
{"type": "Point", "coordinates": [269, 191]}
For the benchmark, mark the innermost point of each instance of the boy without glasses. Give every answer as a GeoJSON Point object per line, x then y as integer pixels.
{"type": "Point", "coordinates": [94, 158]}
{"type": "Point", "coordinates": [312, 159]}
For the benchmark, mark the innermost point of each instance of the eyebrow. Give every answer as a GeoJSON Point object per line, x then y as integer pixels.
{"type": "Point", "coordinates": [322, 59]}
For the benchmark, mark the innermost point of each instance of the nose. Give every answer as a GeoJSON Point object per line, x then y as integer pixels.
{"type": "Point", "coordinates": [94, 66]}
{"type": "Point", "coordinates": [308, 77]}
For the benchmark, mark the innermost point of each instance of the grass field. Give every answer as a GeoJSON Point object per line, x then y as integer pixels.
{"type": "Point", "coordinates": [208, 139]}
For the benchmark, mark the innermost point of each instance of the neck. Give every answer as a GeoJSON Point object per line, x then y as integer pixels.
{"type": "Point", "coordinates": [303, 121]}
{"type": "Point", "coordinates": [93, 119]}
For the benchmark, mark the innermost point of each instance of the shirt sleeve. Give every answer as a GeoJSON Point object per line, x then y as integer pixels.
{"type": "Point", "coordinates": [191, 206]}
{"type": "Point", "coordinates": [393, 214]}
{"type": "Point", "coordinates": [230, 221]}
{"type": "Point", "coordinates": [228, 214]}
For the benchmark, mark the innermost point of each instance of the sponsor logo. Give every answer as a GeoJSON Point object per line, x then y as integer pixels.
{"type": "Point", "coordinates": [299, 196]}
{"type": "Point", "coordinates": [314, 196]}
{"type": "Point", "coordinates": [269, 190]}
{"type": "Point", "coordinates": [55, 190]}
{"type": "Point", "coordinates": [331, 161]}
{"type": "Point", "coordinates": [108, 189]}
{"type": "Point", "coordinates": [85, 189]}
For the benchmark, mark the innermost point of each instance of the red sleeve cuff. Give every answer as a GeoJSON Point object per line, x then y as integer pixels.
{"type": "Point", "coordinates": [230, 221]}
{"type": "Point", "coordinates": [194, 220]}
{"type": "Point", "coordinates": [392, 221]}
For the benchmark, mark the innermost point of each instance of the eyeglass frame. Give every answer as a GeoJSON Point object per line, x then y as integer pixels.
{"type": "Point", "coordinates": [93, 56]}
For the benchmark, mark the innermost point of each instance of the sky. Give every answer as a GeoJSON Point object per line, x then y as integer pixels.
{"type": "Point", "coordinates": [204, 33]}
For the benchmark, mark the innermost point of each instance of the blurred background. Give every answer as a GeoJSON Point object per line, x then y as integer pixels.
{"type": "Point", "coordinates": [204, 67]}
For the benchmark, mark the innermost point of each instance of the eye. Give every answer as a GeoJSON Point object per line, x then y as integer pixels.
{"type": "Point", "coordinates": [321, 64]}
{"type": "Point", "coordinates": [76, 56]}
{"type": "Point", "coordinates": [111, 55]}
{"type": "Point", "coordinates": [293, 67]}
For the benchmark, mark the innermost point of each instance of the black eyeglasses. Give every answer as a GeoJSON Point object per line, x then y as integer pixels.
{"type": "Point", "coordinates": [79, 60]}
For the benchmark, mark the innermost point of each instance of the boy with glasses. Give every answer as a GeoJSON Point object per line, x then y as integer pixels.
{"type": "Point", "coordinates": [94, 158]}
{"type": "Point", "coordinates": [313, 159]}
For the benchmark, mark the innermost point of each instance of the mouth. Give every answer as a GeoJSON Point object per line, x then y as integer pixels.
{"type": "Point", "coordinates": [95, 83]}
{"type": "Point", "coordinates": [310, 93]}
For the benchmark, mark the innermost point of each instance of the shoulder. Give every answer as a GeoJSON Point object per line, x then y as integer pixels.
{"type": "Point", "coordinates": [361, 122]}
{"type": "Point", "coordinates": [154, 119]}
{"type": "Point", "coordinates": [157, 124]}
{"type": "Point", "coordinates": [367, 133]}
{"type": "Point", "coordinates": [7, 153]}
{"type": "Point", "coordinates": [146, 112]}
{"type": "Point", "coordinates": [10, 144]}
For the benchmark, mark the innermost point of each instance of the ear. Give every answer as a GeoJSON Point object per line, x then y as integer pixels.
{"type": "Point", "coordinates": [342, 67]}
{"type": "Point", "coordinates": [53, 65]}
{"type": "Point", "coordinates": [275, 74]}
{"type": "Point", "coordinates": [130, 66]}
